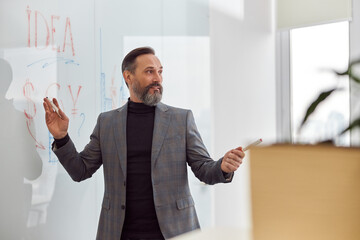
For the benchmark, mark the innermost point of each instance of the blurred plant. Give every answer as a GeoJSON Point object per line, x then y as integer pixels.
{"type": "Point", "coordinates": [324, 95]}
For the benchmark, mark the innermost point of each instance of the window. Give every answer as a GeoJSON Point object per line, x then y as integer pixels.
{"type": "Point", "coordinates": [314, 53]}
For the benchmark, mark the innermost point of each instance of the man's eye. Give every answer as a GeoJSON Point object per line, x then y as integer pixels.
{"type": "Point", "coordinates": [149, 71]}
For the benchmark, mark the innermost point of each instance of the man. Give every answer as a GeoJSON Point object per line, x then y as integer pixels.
{"type": "Point", "coordinates": [144, 147]}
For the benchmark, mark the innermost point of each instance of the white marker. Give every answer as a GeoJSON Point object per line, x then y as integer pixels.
{"type": "Point", "coordinates": [55, 107]}
{"type": "Point", "coordinates": [252, 144]}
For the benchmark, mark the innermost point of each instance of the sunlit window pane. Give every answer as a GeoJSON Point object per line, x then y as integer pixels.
{"type": "Point", "coordinates": [315, 53]}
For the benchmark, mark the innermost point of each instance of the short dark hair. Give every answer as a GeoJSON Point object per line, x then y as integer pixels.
{"type": "Point", "coordinates": [129, 62]}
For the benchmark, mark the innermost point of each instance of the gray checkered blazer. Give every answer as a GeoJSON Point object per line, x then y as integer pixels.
{"type": "Point", "coordinates": [176, 141]}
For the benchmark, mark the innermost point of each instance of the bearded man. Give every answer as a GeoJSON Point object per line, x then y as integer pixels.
{"type": "Point", "coordinates": [144, 147]}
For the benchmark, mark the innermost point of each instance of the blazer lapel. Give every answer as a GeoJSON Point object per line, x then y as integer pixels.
{"type": "Point", "coordinates": [161, 124]}
{"type": "Point", "coordinates": [120, 135]}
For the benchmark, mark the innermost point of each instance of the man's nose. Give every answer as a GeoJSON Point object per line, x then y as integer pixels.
{"type": "Point", "coordinates": [157, 77]}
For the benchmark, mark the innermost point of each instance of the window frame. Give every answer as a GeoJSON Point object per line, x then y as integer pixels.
{"type": "Point", "coordinates": [283, 81]}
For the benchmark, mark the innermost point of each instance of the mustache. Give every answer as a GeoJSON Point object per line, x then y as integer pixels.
{"type": "Point", "coordinates": [153, 85]}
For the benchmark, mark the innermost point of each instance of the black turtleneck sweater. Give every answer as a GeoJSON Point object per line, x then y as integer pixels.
{"type": "Point", "coordinates": [140, 216]}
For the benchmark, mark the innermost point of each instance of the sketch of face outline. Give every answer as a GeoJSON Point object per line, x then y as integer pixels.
{"type": "Point", "coordinates": [6, 71]}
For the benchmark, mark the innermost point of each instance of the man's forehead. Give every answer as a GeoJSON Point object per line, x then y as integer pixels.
{"type": "Point", "coordinates": [148, 60]}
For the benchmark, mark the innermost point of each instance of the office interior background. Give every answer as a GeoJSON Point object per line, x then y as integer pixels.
{"type": "Point", "coordinates": [244, 75]}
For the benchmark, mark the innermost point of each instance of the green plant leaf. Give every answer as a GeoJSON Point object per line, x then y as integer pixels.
{"type": "Point", "coordinates": [314, 105]}
{"type": "Point", "coordinates": [349, 71]}
{"type": "Point", "coordinates": [355, 123]}
{"type": "Point", "coordinates": [355, 78]}
{"type": "Point", "coordinates": [342, 73]}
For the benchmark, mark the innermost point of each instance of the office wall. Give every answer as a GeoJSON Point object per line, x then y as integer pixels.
{"type": "Point", "coordinates": [242, 40]}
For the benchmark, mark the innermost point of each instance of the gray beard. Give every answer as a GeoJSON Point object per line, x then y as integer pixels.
{"type": "Point", "coordinates": [147, 98]}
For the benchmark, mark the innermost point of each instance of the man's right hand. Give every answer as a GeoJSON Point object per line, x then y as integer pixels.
{"type": "Point", "coordinates": [57, 126]}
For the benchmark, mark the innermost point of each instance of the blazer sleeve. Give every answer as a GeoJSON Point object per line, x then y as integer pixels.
{"type": "Point", "coordinates": [204, 167]}
{"type": "Point", "coordinates": [83, 165]}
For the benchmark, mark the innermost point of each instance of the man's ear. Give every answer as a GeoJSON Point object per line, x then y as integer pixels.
{"type": "Point", "coordinates": [127, 77]}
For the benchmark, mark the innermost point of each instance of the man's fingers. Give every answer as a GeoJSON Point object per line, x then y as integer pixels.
{"type": "Point", "coordinates": [56, 103]}
{"type": "Point", "coordinates": [63, 115]}
{"type": "Point", "coordinates": [231, 167]}
{"type": "Point", "coordinates": [49, 107]}
{"type": "Point", "coordinates": [233, 159]}
{"type": "Point", "coordinates": [48, 102]}
{"type": "Point", "coordinates": [237, 155]}
{"type": "Point", "coordinates": [45, 107]}
{"type": "Point", "coordinates": [234, 162]}
{"type": "Point", "coordinates": [239, 148]}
